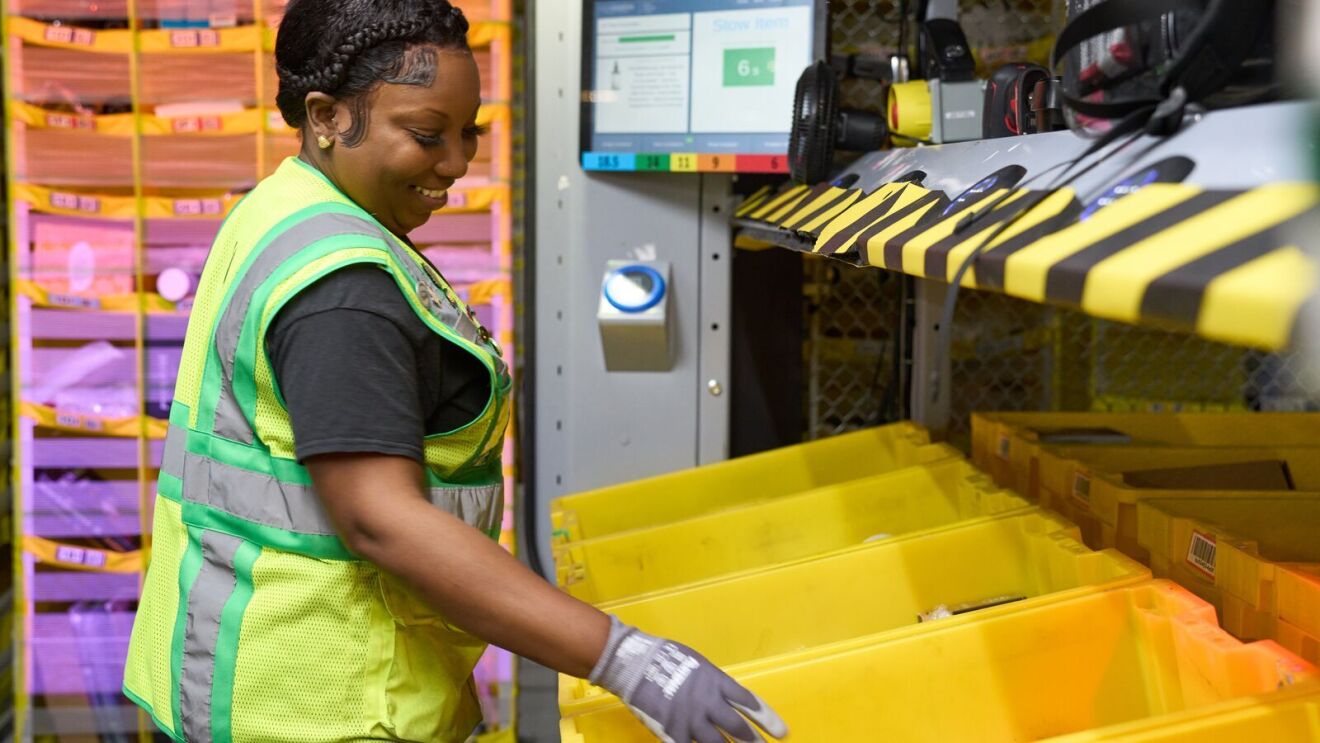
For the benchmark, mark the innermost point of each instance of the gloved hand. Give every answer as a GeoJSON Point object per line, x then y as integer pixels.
{"type": "Point", "coordinates": [679, 695]}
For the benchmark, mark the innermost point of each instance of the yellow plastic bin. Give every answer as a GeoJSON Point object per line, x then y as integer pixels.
{"type": "Point", "coordinates": [788, 528]}
{"type": "Point", "coordinates": [1102, 659]}
{"type": "Point", "coordinates": [1005, 444]}
{"type": "Point", "coordinates": [1256, 559]}
{"type": "Point", "coordinates": [695, 492]}
{"type": "Point", "coordinates": [1291, 715]}
{"type": "Point", "coordinates": [1098, 487]}
{"type": "Point", "coordinates": [874, 591]}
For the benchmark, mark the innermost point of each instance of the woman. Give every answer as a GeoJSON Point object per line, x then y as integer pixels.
{"type": "Point", "coordinates": [320, 571]}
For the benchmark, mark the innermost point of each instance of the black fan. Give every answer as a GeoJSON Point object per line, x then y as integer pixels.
{"type": "Point", "coordinates": [820, 126]}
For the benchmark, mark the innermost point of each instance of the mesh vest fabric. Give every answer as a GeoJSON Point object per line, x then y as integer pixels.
{"type": "Point", "coordinates": [256, 623]}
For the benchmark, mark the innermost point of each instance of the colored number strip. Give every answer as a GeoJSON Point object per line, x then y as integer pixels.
{"type": "Point", "coordinates": [683, 162]}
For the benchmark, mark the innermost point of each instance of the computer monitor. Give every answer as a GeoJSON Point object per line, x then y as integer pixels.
{"type": "Point", "coordinates": [694, 85]}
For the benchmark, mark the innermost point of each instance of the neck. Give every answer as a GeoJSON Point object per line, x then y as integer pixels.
{"type": "Point", "coordinates": [320, 160]}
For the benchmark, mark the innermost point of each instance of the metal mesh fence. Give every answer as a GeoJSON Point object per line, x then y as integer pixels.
{"type": "Point", "coordinates": [854, 320]}
{"type": "Point", "coordinates": [1009, 354]}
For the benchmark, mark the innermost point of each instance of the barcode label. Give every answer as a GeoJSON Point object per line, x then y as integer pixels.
{"type": "Point", "coordinates": [1081, 488]}
{"type": "Point", "coordinates": [1201, 553]}
{"type": "Point", "coordinates": [80, 556]}
{"type": "Point", "coordinates": [1004, 443]}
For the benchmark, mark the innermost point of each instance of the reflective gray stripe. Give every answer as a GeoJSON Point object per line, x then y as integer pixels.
{"type": "Point", "coordinates": [429, 293]}
{"type": "Point", "coordinates": [206, 600]}
{"type": "Point", "coordinates": [480, 506]}
{"type": "Point", "coordinates": [229, 420]}
{"type": "Point", "coordinates": [265, 500]}
{"type": "Point", "coordinates": [176, 442]}
{"type": "Point", "coordinates": [253, 496]}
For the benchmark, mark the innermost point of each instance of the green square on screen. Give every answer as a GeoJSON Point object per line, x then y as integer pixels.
{"type": "Point", "coordinates": [749, 67]}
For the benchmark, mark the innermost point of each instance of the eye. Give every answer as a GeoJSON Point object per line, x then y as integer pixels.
{"type": "Point", "coordinates": [426, 140]}
{"type": "Point", "coordinates": [476, 130]}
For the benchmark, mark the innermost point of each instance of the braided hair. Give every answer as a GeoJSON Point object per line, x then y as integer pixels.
{"type": "Point", "coordinates": [345, 48]}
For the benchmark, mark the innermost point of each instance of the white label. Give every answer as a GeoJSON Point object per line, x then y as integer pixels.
{"type": "Point", "coordinates": [80, 556]}
{"type": "Point", "coordinates": [1201, 553]}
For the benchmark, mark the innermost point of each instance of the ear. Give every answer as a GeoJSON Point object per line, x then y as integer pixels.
{"type": "Point", "coordinates": [321, 109]}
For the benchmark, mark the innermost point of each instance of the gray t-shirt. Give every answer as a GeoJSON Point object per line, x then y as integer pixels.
{"type": "Point", "coordinates": [360, 372]}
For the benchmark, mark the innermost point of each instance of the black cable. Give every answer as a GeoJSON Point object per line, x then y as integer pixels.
{"type": "Point", "coordinates": [902, 32]}
{"type": "Point", "coordinates": [1130, 126]}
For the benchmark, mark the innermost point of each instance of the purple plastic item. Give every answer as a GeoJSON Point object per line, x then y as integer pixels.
{"type": "Point", "coordinates": [78, 586]}
{"type": "Point", "coordinates": [71, 453]}
{"type": "Point", "coordinates": [58, 658]}
{"type": "Point", "coordinates": [179, 232]}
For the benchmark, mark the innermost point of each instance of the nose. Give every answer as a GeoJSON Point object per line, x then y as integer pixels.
{"type": "Point", "coordinates": [453, 165]}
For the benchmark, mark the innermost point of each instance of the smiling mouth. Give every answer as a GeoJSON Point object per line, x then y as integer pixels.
{"type": "Point", "coordinates": [430, 193]}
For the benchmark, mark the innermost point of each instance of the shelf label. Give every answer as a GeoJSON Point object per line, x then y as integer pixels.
{"type": "Point", "coordinates": [73, 300]}
{"type": "Point", "coordinates": [194, 39]}
{"type": "Point", "coordinates": [70, 35]}
{"type": "Point", "coordinates": [1201, 553]}
{"type": "Point", "coordinates": [196, 124]}
{"type": "Point", "coordinates": [75, 202]}
{"type": "Point", "coordinates": [74, 420]}
{"type": "Point", "coordinates": [198, 207]}
{"type": "Point", "coordinates": [56, 120]}
{"type": "Point", "coordinates": [79, 556]}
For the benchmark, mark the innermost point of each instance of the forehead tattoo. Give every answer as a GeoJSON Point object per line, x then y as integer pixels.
{"type": "Point", "coordinates": [416, 66]}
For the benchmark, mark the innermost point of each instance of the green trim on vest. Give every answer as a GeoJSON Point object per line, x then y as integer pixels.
{"type": "Point", "coordinates": [244, 385]}
{"type": "Point", "coordinates": [189, 569]}
{"type": "Point", "coordinates": [135, 699]}
{"type": "Point", "coordinates": [321, 546]}
{"type": "Point", "coordinates": [226, 647]}
{"type": "Point", "coordinates": [209, 391]}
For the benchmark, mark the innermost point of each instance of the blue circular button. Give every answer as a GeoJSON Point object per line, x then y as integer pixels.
{"type": "Point", "coordinates": [634, 288]}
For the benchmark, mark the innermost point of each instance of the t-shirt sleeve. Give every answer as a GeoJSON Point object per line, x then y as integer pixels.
{"type": "Point", "coordinates": [348, 373]}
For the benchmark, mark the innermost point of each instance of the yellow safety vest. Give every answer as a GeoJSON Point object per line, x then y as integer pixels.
{"type": "Point", "coordinates": [256, 623]}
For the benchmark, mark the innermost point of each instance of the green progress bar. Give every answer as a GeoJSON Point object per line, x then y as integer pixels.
{"type": "Point", "coordinates": [640, 39]}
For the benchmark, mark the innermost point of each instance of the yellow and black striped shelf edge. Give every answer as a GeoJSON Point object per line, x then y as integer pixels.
{"type": "Point", "coordinates": [1229, 265]}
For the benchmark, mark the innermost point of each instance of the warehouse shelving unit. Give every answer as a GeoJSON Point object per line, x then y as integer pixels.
{"type": "Point", "coordinates": [133, 127]}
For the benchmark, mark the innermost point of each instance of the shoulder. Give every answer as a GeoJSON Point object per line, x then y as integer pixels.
{"type": "Point", "coordinates": [363, 288]}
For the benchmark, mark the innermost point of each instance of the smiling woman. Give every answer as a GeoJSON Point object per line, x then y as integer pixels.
{"type": "Point", "coordinates": [414, 82]}
{"type": "Point", "coordinates": [323, 564]}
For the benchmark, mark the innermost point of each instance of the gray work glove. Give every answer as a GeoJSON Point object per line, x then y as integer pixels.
{"type": "Point", "coordinates": [679, 695]}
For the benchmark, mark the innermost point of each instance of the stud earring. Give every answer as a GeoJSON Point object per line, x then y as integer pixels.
{"type": "Point", "coordinates": [324, 142]}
